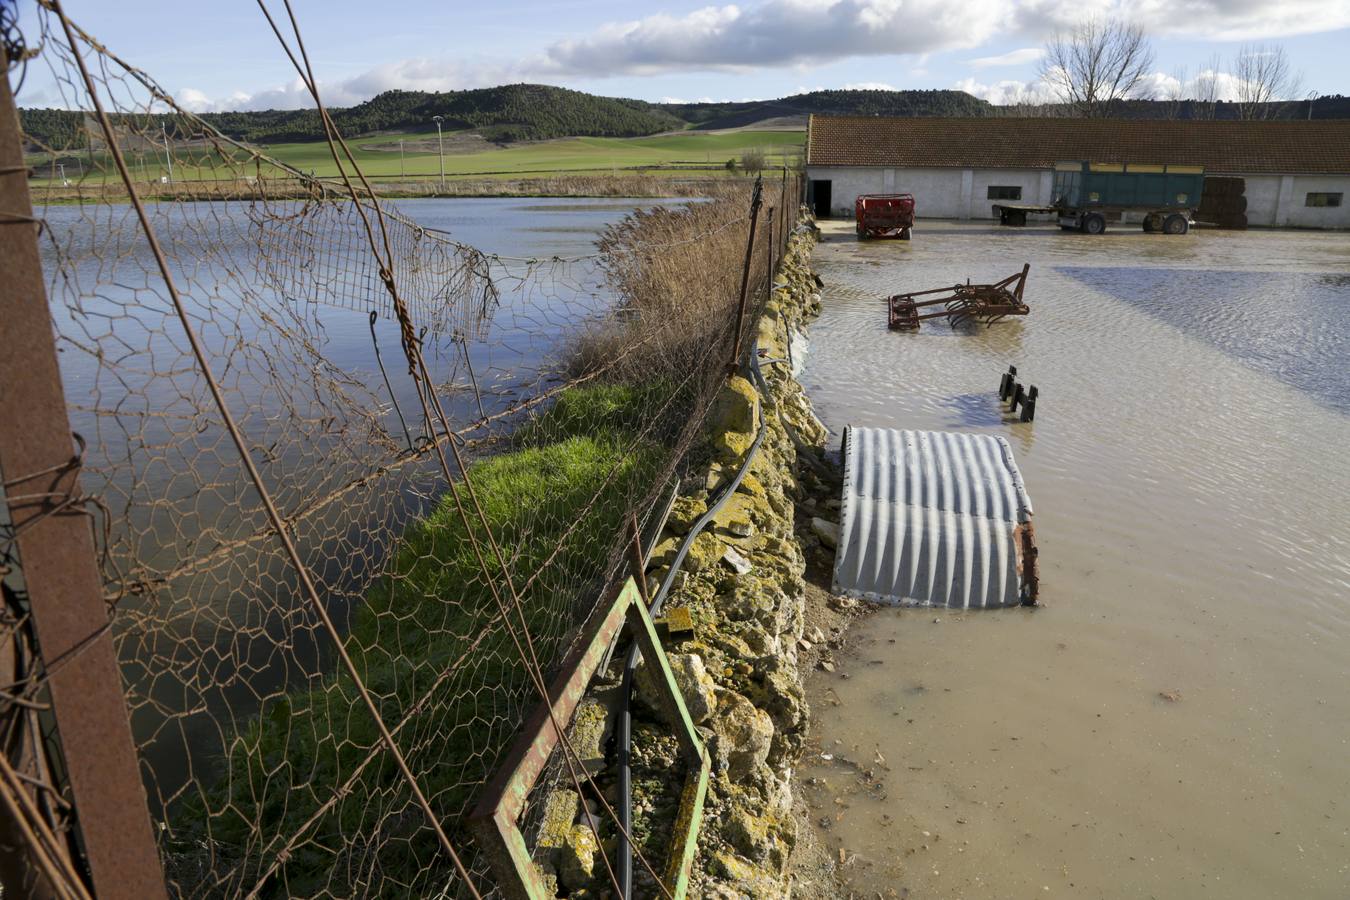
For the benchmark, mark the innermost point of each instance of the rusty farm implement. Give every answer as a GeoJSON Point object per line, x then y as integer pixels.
{"type": "Point", "coordinates": [960, 303]}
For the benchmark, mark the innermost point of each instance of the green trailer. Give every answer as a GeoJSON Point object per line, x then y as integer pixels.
{"type": "Point", "coordinates": [1088, 194]}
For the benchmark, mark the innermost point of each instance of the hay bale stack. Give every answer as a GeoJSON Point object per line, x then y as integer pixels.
{"type": "Point", "coordinates": [1224, 202]}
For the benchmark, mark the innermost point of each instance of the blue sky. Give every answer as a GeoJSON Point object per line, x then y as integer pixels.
{"type": "Point", "coordinates": [219, 54]}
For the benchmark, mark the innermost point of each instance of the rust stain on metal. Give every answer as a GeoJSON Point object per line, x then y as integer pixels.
{"type": "Point", "coordinates": [961, 303]}
{"type": "Point", "coordinates": [1028, 561]}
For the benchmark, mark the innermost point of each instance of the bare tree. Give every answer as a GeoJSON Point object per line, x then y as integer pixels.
{"type": "Point", "coordinates": [1174, 95]}
{"type": "Point", "coordinates": [1097, 63]}
{"type": "Point", "coordinates": [1264, 77]}
{"type": "Point", "coordinates": [1207, 89]}
{"type": "Point", "coordinates": [753, 161]}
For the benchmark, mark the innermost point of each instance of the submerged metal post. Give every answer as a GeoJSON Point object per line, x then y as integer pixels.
{"type": "Point", "coordinates": [55, 543]}
{"type": "Point", "coordinates": [1029, 404]}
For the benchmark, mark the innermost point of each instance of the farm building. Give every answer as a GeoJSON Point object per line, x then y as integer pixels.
{"type": "Point", "coordinates": [1297, 172]}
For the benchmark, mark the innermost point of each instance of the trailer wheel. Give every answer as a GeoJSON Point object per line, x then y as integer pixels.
{"type": "Point", "coordinates": [1093, 224]}
{"type": "Point", "coordinates": [1017, 218]}
{"type": "Point", "coordinates": [1152, 224]}
{"type": "Point", "coordinates": [904, 234]}
{"type": "Point", "coordinates": [1176, 224]}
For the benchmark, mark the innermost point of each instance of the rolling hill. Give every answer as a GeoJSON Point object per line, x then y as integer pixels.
{"type": "Point", "coordinates": [532, 112]}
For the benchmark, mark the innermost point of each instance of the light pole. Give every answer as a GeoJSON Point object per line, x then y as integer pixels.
{"type": "Point", "coordinates": [167, 157]}
{"type": "Point", "coordinates": [440, 146]}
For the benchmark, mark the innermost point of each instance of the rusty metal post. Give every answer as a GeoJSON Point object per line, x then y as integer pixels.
{"type": "Point", "coordinates": [755, 199]}
{"type": "Point", "coordinates": [56, 547]}
{"type": "Point", "coordinates": [768, 278]}
{"type": "Point", "coordinates": [637, 564]}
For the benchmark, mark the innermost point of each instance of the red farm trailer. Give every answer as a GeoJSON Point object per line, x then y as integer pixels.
{"type": "Point", "coordinates": [884, 215]}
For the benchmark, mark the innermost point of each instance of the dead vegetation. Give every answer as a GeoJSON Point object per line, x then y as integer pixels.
{"type": "Point", "coordinates": [678, 273]}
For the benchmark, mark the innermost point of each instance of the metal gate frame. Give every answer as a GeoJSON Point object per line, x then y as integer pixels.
{"type": "Point", "coordinates": [496, 819]}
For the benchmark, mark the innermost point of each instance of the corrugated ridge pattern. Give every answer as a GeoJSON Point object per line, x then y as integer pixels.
{"type": "Point", "coordinates": [929, 519]}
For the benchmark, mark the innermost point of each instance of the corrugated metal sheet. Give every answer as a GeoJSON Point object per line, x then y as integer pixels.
{"type": "Point", "coordinates": [933, 518]}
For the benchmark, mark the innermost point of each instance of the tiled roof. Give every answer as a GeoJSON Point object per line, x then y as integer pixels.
{"type": "Point", "coordinates": [1284, 146]}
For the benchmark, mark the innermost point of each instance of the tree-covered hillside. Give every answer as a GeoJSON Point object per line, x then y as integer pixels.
{"type": "Point", "coordinates": [514, 112]}
{"type": "Point", "coordinates": [842, 103]}
{"type": "Point", "coordinates": [531, 112]}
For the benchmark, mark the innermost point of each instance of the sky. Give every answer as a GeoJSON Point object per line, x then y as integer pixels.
{"type": "Point", "coordinates": [220, 54]}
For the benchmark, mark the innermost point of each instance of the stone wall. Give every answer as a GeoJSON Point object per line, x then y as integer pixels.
{"type": "Point", "coordinates": [742, 583]}
{"type": "Point", "coordinates": [745, 591]}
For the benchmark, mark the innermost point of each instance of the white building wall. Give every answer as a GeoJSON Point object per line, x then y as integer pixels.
{"type": "Point", "coordinates": [1035, 185]}
{"type": "Point", "coordinates": [1299, 214]}
{"type": "Point", "coordinates": [955, 193]}
{"type": "Point", "coordinates": [1263, 199]}
{"type": "Point", "coordinates": [939, 193]}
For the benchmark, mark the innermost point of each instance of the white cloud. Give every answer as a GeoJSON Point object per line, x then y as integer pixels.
{"type": "Point", "coordinates": [1206, 83]}
{"type": "Point", "coordinates": [1236, 20]}
{"type": "Point", "coordinates": [1155, 85]}
{"type": "Point", "coordinates": [195, 101]}
{"type": "Point", "coordinates": [778, 33]}
{"type": "Point", "coordinates": [869, 86]}
{"type": "Point", "coordinates": [1011, 58]}
{"type": "Point", "coordinates": [1009, 92]}
{"type": "Point", "coordinates": [799, 34]}
{"type": "Point", "coordinates": [404, 75]}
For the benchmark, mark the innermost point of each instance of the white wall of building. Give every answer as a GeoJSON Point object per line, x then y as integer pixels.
{"type": "Point", "coordinates": [939, 193]}
{"type": "Point", "coordinates": [955, 193]}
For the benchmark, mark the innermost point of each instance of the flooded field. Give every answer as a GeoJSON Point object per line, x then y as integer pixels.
{"type": "Point", "coordinates": [302, 336]}
{"type": "Point", "coordinates": [1175, 721]}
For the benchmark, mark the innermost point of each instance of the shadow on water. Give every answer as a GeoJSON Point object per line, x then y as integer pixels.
{"type": "Point", "coordinates": [1294, 326]}
{"type": "Point", "coordinates": [973, 411]}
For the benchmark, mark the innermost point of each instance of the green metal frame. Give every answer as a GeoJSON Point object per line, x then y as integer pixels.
{"type": "Point", "coordinates": [495, 820]}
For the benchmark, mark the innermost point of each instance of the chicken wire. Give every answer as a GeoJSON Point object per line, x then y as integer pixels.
{"type": "Point", "coordinates": [574, 389]}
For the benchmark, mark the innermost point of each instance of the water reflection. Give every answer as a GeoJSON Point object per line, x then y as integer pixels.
{"type": "Point", "coordinates": [1292, 325]}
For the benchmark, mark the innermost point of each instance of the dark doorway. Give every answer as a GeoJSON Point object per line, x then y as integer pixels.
{"type": "Point", "coordinates": [820, 198]}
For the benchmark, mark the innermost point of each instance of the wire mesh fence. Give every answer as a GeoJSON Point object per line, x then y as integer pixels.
{"type": "Point", "coordinates": [354, 484]}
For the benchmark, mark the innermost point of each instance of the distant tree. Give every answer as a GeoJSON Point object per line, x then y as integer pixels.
{"type": "Point", "coordinates": [1097, 63]}
{"type": "Point", "coordinates": [1263, 77]}
{"type": "Point", "coordinates": [731, 165]}
{"type": "Point", "coordinates": [1207, 90]}
{"type": "Point", "coordinates": [1174, 94]}
{"type": "Point", "coordinates": [753, 161]}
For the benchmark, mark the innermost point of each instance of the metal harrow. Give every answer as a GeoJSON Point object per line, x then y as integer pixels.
{"type": "Point", "coordinates": [961, 303]}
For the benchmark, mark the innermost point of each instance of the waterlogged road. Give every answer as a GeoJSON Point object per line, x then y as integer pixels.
{"type": "Point", "coordinates": [1175, 721]}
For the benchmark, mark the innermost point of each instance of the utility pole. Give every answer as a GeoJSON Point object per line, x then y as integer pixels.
{"type": "Point", "coordinates": [440, 146]}
{"type": "Point", "coordinates": [167, 157]}
{"type": "Point", "coordinates": [401, 172]}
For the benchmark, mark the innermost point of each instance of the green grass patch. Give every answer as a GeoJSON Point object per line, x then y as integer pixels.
{"type": "Point", "coordinates": [433, 613]}
{"type": "Point", "coordinates": [379, 157]}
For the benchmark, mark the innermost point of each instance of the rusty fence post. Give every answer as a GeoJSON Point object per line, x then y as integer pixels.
{"type": "Point", "coordinates": [56, 550]}
{"type": "Point", "coordinates": [768, 278]}
{"type": "Point", "coordinates": [756, 198]}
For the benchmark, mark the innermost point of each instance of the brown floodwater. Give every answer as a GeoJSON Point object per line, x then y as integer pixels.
{"type": "Point", "coordinates": [1175, 720]}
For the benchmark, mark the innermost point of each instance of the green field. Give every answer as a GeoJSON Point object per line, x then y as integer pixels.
{"type": "Point", "coordinates": [379, 156]}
